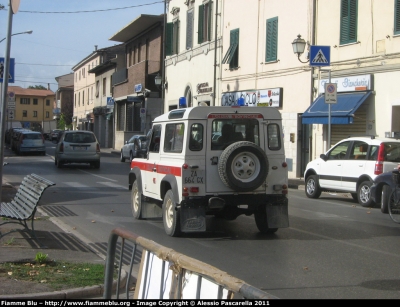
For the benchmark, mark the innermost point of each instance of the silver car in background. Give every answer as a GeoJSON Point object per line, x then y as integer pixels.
{"type": "Point", "coordinates": [30, 142]}
{"type": "Point", "coordinates": [77, 147]}
{"type": "Point", "coordinates": [136, 147]}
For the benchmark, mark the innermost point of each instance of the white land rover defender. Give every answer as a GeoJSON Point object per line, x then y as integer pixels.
{"type": "Point", "coordinates": [221, 161]}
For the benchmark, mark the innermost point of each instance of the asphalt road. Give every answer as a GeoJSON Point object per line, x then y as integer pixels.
{"type": "Point", "coordinates": [333, 248]}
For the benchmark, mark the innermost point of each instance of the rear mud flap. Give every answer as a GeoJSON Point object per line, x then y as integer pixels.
{"type": "Point", "coordinates": [193, 219]}
{"type": "Point", "coordinates": [277, 215]}
{"type": "Point", "coordinates": [150, 210]}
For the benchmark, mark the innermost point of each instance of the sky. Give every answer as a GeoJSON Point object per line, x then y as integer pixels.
{"type": "Point", "coordinates": [64, 33]}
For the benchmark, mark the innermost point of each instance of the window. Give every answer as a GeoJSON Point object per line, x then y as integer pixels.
{"type": "Point", "coordinates": [47, 102]}
{"type": "Point", "coordinates": [348, 21]}
{"type": "Point", "coordinates": [34, 113]}
{"type": "Point", "coordinates": [104, 86]}
{"type": "Point", "coordinates": [25, 101]}
{"type": "Point", "coordinates": [205, 18]}
{"type": "Point", "coordinates": [139, 54]}
{"type": "Point", "coordinates": [83, 97]}
{"type": "Point", "coordinates": [271, 52]}
{"type": "Point", "coordinates": [83, 72]}
{"type": "Point", "coordinates": [129, 57]}
{"type": "Point", "coordinates": [359, 151]}
{"type": "Point", "coordinates": [24, 113]}
{"type": "Point", "coordinates": [97, 88]}
{"type": "Point", "coordinates": [47, 114]}
{"type": "Point", "coordinates": [75, 100]}
{"type": "Point", "coordinates": [111, 85]}
{"type": "Point", "coordinates": [196, 137]}
{"type": "Point", "coordinates": [155, 139]}
{"type": "Point", "coordinates": [232, 55]}
{"type": "Point", "coordinates": [339, 152]}
{"type": "Point", "coordinates": [173, 141]}
{"type": "Point", "coordinates": [274, 140]}
{"type": "Point", "coordinates": [172, 38]}
{"type": "Point", "coordinates": [35, 101]}
{"type": "Point", "coordinates": [397, 17]}
{"type": "Point", "coordinates": [79, 99]}
{"type": "Point", "coordinates": [189, 29]}
{"type": "Point", "coordinates": [88, 96]}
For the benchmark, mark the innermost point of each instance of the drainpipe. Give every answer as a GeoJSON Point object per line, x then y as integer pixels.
{"type": "Point", "coordinates": [215, 53]}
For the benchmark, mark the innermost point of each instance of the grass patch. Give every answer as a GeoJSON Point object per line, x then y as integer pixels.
{"type": "Point", "coordinates": [57, 275]}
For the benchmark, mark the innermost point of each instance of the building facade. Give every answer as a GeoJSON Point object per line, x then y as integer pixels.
{"type": "Point", "coordinates": [30, 108]}
{"type": "Point", "coordinates": [64, 102]}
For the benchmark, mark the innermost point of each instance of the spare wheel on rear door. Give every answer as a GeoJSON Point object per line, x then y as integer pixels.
{"type": "Point", "coordinates": [243, 166]}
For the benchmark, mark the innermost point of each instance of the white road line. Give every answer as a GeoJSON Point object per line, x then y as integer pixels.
{"type": "Point", "coordinates": [97, 175]}
{"type": "Point", "coordinates": [113, 185]}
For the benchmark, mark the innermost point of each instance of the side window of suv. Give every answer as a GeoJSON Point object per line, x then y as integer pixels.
{"type": "Point", "coordinates": [359, 151]}
{"type": "Point", "coordinates": [339, 152]}
{"type": "Point", "coordinates": [173, 141]}
{"type": "Point", "coordinates": [155, 139]}
{"type": "Point", "coordinates": [196, 137]}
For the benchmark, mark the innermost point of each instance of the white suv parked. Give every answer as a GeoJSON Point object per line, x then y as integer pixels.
{"type": "Point", "coordinates": [220, 161]}
{"type": "Point", "coordinates": [351, 166]}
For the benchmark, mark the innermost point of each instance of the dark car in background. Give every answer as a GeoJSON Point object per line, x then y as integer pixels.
{"type": "Point", "coordinates": [136, 147]}
{"type": "Point", "coordinates": [381, 189]}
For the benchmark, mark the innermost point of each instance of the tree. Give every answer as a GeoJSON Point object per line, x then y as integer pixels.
{"type": "Point", "coordinates": [37, 87]}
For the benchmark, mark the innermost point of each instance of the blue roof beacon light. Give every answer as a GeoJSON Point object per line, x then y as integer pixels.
{"type": "Point", "coordinates": [241, 102]}
{"type": "Point", "coordinates": [182, 102]}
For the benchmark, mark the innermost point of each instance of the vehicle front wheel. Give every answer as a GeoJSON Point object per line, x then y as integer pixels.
{"type": "Point", "coordinates": [312, 187]}
{"type": "Point", "coordinates": [364, 194]}
{"type": "Point", "coordinates": [122, 159]}
{"type": "Point", "coordinates": [386, 190]}
{"type": "Point", "coordinates": [136, 201]}
{"type": "Point", "coordinates": [260, 216]}
{"type": "Point", "coordinates": [171, 217]}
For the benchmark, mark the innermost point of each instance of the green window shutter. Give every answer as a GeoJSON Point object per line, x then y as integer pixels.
{"type": "Point", "coordinates": [348, 21]}
{"type": "Point", "coordinates": [397, 17]}
{"type": "Point", "coordinates": [201, 20]}
{"type": "Point", "coordinates": [169, 38]}
{"type": "Point", "coordinates": [189, 29]}
{"type": "Point", "coordinates": [271, 53]}
{"type": "Point", "coordinates": [232, 54]}
{"type": "Point", "coordinates": [209, 19]}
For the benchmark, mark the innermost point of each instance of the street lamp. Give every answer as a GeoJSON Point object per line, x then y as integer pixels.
{"type": "Point", "coordinates": [26, 32]}
{"type": "Point", "coordinates": [299, 45]}
{"type": "Point", "coordinates": [158, 80]}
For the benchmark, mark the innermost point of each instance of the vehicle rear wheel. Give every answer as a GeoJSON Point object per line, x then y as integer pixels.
{"type": "Point", "coordinates": [364, 194]}
{"type": "Point", "coordinates": [386, 190]}
{"type": "Point", "coordinates": [96, 164]}
{"type": "Point", "coordinates": [59, 164]}
{"type": "Point", "coordinates": [122, 159]}
{"type": "Point", "coordinates": [260, 216]}
{"type": "Point", "coordinates": [312, 187]}
{"type": "Point", "coordinates": [136, 201]}
{"type": "Point", "coordinates": [171, 217]}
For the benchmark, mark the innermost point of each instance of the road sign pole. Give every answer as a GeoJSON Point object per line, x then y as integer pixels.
{"type": "Point", "coordinates": [329, 126]}
{"type": "Point", "coordinates": [4, 96]}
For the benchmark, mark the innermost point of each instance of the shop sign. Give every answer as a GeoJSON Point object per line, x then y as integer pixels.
{"type": "Point", "coordinates": [203, 88]}
{"type": "Point", "coordinates": [138, 88]}
{"type": "Point", "coordinates": [261, 98]}
{"type": "Point", "coordinates": [348, 84]}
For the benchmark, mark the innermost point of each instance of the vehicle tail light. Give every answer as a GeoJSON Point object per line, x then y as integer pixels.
{"type": "Point", "coordinates": [379, 162]}
{"type": "Point", "coordinates": [185, 191]}
{"type": "Point", "coordinates": [284, 164]}
{"type": "Point", "coordinates": [285, 189]}
{"type": "Point", "coordinates": [97, 148]}
{"type": "Point", "coordinates": [62, 148]}
{"type": "Point", "coordinates": [194, 189]}
{"type": "Point", "coordinates": [185, 166]}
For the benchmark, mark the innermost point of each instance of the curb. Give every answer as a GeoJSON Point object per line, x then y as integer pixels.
{"type": "Point", "coordinates": [84, 292]}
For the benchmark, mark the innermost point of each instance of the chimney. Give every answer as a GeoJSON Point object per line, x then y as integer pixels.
{"type": "Point", "coordinates": [48, 86]}
{"type": "Point", "coordinates": [95, 47]}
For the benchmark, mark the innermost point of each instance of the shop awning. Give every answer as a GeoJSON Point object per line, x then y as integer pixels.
{"type": "Point", "coordinates": [341, 112]}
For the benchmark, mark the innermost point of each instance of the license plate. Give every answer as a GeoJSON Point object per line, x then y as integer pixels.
{"type": "Point", "coordinates": [79, 148]}
{"type": "Point", "coordinates": [196, 177]}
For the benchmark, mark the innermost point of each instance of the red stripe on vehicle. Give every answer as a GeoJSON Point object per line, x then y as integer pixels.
{"type": "Point", "coordinates": [161, 169]}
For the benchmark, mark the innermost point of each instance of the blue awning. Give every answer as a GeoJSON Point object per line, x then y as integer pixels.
{"type": "Point", "coordinates": [341, 112]}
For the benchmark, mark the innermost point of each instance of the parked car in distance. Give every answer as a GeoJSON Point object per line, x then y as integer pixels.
{"type": "Point", "coordinates": [382, 188]}
{"type": "Point", "coordinates": [77, 146]}
{"type": "Point", "coordinates": [54, 134]}
{"type": "Point", "coordinates": [136, 147]}
{"type": "Point", "coordinates": [351, 166]}
{"type": "Point", "coordinates": [30, 141]}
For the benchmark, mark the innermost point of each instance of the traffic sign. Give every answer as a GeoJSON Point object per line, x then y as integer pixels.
{"type": "Point", "coordinates": [10, 70]}
{"type": "Point", "coordinates": [11, 96]}
{"type": "Point", "coordinates": [330, 93]}
{"type": "Point", "coordinates": [11, 114]}
{"type": "Point", "coordinates": [320, 55]}
{"type": "Point", "coordinates": [11, 105]}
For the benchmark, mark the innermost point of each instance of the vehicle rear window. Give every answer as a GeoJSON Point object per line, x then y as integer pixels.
{"type": "Point", "coordinates": [79, 137]}
{"type": "Point", "coordinates": [32, 136]}
{"type": "Point", "coordinates": [392, 152]}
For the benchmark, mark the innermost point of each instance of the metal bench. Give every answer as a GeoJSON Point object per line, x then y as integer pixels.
{"type": "Point", "coordinates": [23, 207]}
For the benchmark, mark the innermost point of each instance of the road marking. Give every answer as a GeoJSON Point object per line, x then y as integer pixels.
{"type": "Point", "coordinates": [113, 185]}
{"type": "Point", "coordinates": [97, 176]}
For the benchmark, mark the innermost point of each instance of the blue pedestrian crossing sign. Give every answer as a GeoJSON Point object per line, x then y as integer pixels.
{"type": "Point", "coordinates": [320, 55]}
{"type": "Point", "coordinates": [10, 70]}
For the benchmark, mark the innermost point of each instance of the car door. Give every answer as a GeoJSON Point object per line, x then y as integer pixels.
{"type": "Point", "coordinates": [330, 173]}
{"type": "Point", "coordinates": [354, 166]}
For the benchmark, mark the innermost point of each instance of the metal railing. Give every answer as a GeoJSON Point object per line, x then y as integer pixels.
{"type": "Point", "coordinates": [167, 274]}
